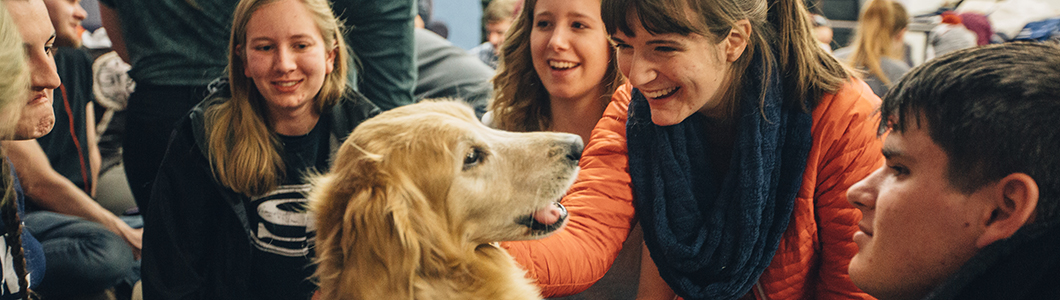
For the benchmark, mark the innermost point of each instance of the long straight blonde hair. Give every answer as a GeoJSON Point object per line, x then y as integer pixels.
{"type": "Point", "coordinates": [521, 102]}
{"type": "Point", "coordinates": [879, 25]}
{"type": "Point", "coordinates": [13, 92]}
{"type": "Point", "coordinates": [14, 87]}
{"type": "Point", "coordinates": [243, 149]}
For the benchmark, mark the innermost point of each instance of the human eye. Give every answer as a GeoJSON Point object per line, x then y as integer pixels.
{"type": "Point", "coordinates": [49, 47]}
{"type": "Point", "coordinates": [897, 169]}
{"type": "Point", "coordinates": [263, 47]}
{"type": "Point", "coordinates": [666, 49]}
{"type": "Point", "coordinates": [579, 25]}
{"type": "Point", "coordinates": [542, 24]}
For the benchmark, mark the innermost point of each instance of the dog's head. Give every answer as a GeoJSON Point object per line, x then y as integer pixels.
{"type": "Point", "coordinates": [423, 182]}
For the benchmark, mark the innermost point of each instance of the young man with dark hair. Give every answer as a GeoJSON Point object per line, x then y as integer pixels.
{"type": "Point", "coordinates": [966, 205]}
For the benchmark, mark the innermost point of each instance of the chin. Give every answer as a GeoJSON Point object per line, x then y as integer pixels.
{"type": "Point", "coordinates": [36, 121]}
{"type": "Point", "coordinates": [667, 118]}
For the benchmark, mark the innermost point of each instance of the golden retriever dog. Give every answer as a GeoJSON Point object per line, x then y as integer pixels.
{"type": "Point", "coordinates": [417, 194]}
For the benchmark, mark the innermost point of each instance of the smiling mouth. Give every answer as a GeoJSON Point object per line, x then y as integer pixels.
{"type": "Point", "coordinates": [865, 230]}
{"type": "Point", "coordinates": [286, 83]}
{"type": "Point", "coordinates": [561, 65]}
{"type": "Point", "coordinates": [663, 93]}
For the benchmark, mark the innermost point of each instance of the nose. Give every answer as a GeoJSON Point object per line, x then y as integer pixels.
{"type": "Point", "coordinates": [79, 13]}
{"type": "Point", "coordinates": [496, 38]}
{"type": "Point", "coordinates": [283, 63]}
{"type": "Point", "coordinates": [559, 39]}
{"type": "Point", "coordinates": [43, 75]}
{"type": "Point", "coordinates": [574, 147]}
{"type": "Point", "coordinates": [637, 70]}
{"type": "Point", "coordinates": [863, 194]}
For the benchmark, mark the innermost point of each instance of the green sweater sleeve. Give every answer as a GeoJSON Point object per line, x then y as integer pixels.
{"type": "Point", "coordinates": [380, 35]}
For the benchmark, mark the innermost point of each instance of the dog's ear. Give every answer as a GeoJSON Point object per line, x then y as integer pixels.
{"type": "Point", "coordinates": [354, 222]}
{"type": "Point", "coordinates": [371, 220]}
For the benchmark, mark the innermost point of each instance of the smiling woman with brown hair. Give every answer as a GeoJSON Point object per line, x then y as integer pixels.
{"type": "Point", "coordinates": [557, 69]}
{"type": "Point", "coordinates": [737, 136]}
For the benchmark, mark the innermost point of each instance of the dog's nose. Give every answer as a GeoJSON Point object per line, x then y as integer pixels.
{"type": "Point", "coordinates": [575, 147]}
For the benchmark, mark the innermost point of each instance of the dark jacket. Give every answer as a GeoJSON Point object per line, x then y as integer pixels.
{"type": "Point", "coordinates": [1025, 266]}
{"type": "Point", "coordinates": [195, 245]}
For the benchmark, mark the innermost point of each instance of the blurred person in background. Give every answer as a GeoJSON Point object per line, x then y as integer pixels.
{"type": "Point", "coordinates": [878, 49]}
{"type": "Point", "coordinates": [498, 17]}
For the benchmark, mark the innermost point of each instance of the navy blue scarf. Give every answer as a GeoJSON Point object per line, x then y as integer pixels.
{"type": "Point", "coordinates": [711, 241]}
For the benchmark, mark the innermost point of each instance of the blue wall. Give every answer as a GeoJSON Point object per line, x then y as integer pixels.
{"type": "Point", "coordinates": [464, 18]}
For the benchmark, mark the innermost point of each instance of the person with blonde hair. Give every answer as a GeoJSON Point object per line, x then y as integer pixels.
{"type": "Point", "coordinates": [13, 65]}
{"type": "Point", "coordinates": [15, 237]}
{"type": "Point", "coordinates": [89, 249]}
{"type": "Point", "coordinates": [227, 218]}
{"type": "Point", "coordinates": [734, 142]}
{"type": "Point", "coordinates": [176, 48]}
{"type": "Point", "coordinates": [877, 48]}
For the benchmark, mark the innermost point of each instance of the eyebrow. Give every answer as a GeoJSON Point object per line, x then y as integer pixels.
{"type": "Point", "coordinates": [294, 37]}
{"type": "Point", "coordinates": [578, 15]}
{"type": "Point", "coordinates": [544, 13]}
{"type": "Point", "coordinates": [891, 153]}
{"type": "Point", "coordinates": [650, 42]}
{"type": "Point", "coordinates": [662, 42]}
{"type": "Point", "coordinates": [27, 45]}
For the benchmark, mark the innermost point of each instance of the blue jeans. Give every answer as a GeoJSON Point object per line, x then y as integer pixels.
{"type": "Point", "coordinates": [82, 257]}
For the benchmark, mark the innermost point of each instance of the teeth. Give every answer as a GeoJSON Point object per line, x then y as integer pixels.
{"type": "Point", "coordinates": [659, 93]}
{"type": "Point", "coordinates": [561, 64]}
{"type": "Point", "coordinates": [287, 83]}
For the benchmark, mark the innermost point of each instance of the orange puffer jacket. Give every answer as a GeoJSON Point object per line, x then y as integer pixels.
{"type": "Point", "coordinates": [811, 261]}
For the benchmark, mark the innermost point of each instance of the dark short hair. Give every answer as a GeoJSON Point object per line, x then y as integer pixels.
{"type": "Point", "coordinates": [994, 111]}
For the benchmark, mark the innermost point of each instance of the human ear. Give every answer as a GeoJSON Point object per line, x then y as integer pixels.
{"type": "Point", "coordinates": [1010, 208]}
{"type": "Point", "coordinates": [239, 54]}
{"type": "Point", "coordinates": [737, 40]}
{"type": "Point", "coordinates": [329, 57]}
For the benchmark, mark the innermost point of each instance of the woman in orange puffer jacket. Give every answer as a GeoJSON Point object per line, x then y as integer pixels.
{"type": "Point", "coordinates": [734, 141]}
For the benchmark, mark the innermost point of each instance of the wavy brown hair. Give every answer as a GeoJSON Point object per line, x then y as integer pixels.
{"type": "Point", "coordinates": [521, 102]}
{"type": "Point", "coordinates": [242, 144]}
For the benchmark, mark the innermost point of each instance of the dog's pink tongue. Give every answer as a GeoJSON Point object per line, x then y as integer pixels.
{"type": "Point", "coordinates": [548, 215]}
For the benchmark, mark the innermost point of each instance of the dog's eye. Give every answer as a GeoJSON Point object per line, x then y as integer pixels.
{"type": "Point", "coordinates": [472, 158]}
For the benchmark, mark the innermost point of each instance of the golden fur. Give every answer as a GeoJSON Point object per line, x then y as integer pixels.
{"type": "Point", "coordinates": [416, 195]}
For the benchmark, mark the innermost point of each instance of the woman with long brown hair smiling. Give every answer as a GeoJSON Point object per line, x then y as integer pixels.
{"type": "Point", "coordinates": [737, 136]}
